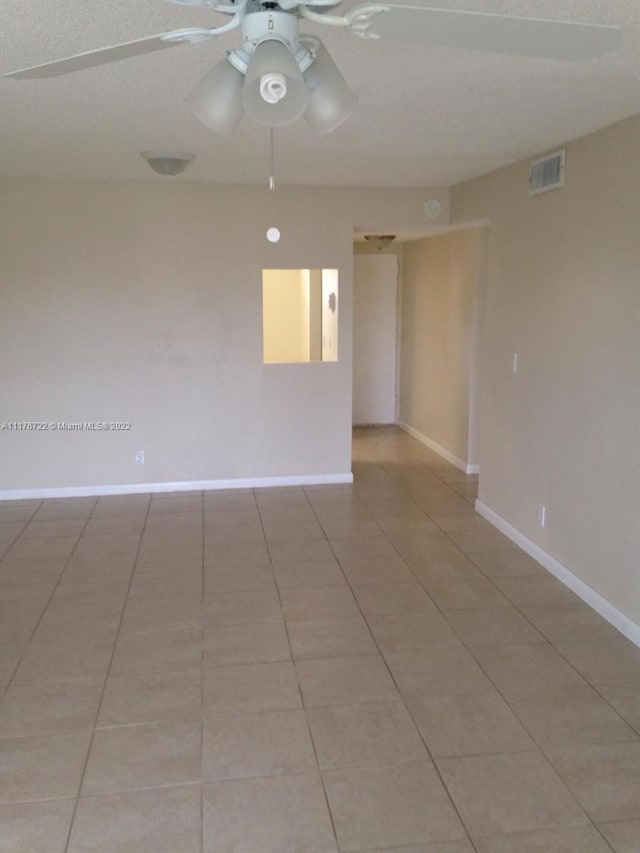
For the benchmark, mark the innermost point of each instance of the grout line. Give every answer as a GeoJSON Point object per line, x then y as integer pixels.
{"type": "Point", "coordinates": [401, 697]}
{"type": "Point", "coordinates": [106, 678]}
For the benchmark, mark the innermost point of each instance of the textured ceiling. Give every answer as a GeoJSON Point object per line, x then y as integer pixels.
{"type": "Point", "coordinates": [426, 116]}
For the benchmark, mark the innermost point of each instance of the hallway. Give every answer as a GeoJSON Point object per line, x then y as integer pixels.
{"type": "Point", "coordinates": [305, 670]}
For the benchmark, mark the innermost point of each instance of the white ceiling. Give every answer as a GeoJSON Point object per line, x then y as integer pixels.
{"type": "Point", "coordinates": [427, 116]}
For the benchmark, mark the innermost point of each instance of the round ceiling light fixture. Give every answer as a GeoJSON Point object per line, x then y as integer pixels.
{"type": "Point", "coordinates": [168, 162]}
{"type": "Point", "coordinates": [380, 241]}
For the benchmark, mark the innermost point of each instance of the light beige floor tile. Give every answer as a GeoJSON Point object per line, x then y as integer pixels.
{"type": "Point", "coordinates": [408, 631]}
{"type": "Point", "coordinates": [250, 688]}
{"type": "Point", "coordinates": [174, 521]}
{"type": "Point", "coordinates": [308, 575]}
{"type": "Point", "coordinates": [169, 557]}
{"type": "Point", "coordinates": [228, 645]}
{"type": "Point", "coordinates": [605, 778]}
{"type": "Point", "coordinates": [163, 504]}
{"type": "Point", "coordinates": [395, 804]}
{"type": "Point", "coordinates": [216, 538]}
{"type": "Point", "coordinates": [230, 517]}
{"type": "Point", "coordinates": [35, 827]}
{"type": "Point", "coordinates": [428, 544]}
{"type": "Point", "coordinates": [158, 539]}
{"type": "Point", "coordinates": [347, 528]}
{"type": "Point", "coordinates": [237, 554]}
{"type": "Point", "coordinates": [286, 514]}
{"type": "Point", "coordinates": [49, 708]}
{"type": "Point", "coordinates": [238, 608]}
{"type": "Point", "coordinates": [231, 510]}
{"type": "Point", "coordinates": [437, 670]}
{"type": "Point", "coordinates": [623, 836]}
{"type": "Point", "coordinates": [478, 541]}
{"type": "Point", "coordinates": [438, 847]}
{"type": "Point", "coordinates": [102, 543]}
{"type": "Point", "coordinates": [229, 499]}
{"type": "Point", "coordinates": [64, 659]}
{"type": "Point", "coordinates": [285, 531]}
{"type": "Point", "coordinates": [603, 661]}
{"type": "Point", "coordinates": [49, 529]}
{"type": "Point", "coordinates": [340, 681]}
{"type": "Point", "coordinates": [379, 599]}
{"type": "Point", "coordinates": [42, 767]}
{"type": "Point", "coordinates": [281, 496]}
{"type": "Point", "coordinates": [442, 566]}
{"type": "Point", "coordinates": [499, 564]}
{"type": "Point", "coordinates": [157, 651]}
{"type": "Point", "coordinates": [12, 512]}
{"type": "Point", "coordinates": [234, 578]}
{"type": "Point", "coordinates": [286, 813]}
{"type": "Point", "coordinates": [488, 626]}
{"type": "Point", "coordinates": [275, 743]}
{"type": "Point", "coordinates": [566, 839]}
{"type": "Point", "coordinates": [570, 715]}
{"type": "Point", "coordinates": [462, 593]}
{"type": "Point", "coordinates": [162, 613]}
{"type": "Point", "coordinates": [108, 523]}
{"type": "Point", "coordinates": [468, 725]}
{"type": "Point", "coordinates": [329, 602]}
{"type": "Point", "coordinates": [401, 528]}
{"type": "Point", "coordinates": [65, 508]}
{"type": "Point", "coordinates": [512, 792]}
{"type": "Point", "coordinates": [143, 756]}
{"type": "Point", "coordinates": [533, 590]}
{"type": "Point", "coordinates": [389, 569]}
{"type": "Point", "coordinates": [151, 698]}
{"type": "Point", "coordinates": [560, 622]}
{"type": "Point", "coordinates": [38, 549]}
{"type": "Point", "coordinates": [526, 667]}
{"type": "Point", "coordinates": [625, 698]}
{"type": "Point", "coordinates": [461, 521]}
{"type": "Point", "coordinates": [167, 583]}
{"type": "Point", "coordinates": [356, 735]}
{"type": "Point", "coordinates": [363, 547]}
{"type": "Point", "coordinates": [161, 820]}
{"type": "Point", "coordinates": [296, 550]}
{"type": "Point", "coordinates": [101, 563]}
{"type": "Point", "coordinates": [322, 638]}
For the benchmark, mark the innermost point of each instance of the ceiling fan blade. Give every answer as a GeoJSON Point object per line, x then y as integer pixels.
{"type": "Point", "coordinates": [105, 54]}
{"type": "Point", "coordinates": [539, 37]}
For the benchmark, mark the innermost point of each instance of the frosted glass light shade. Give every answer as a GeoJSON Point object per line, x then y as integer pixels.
{"type": "Point", "coordinates": [330, 99]}
{"type": "Point", "coordinates": [273, 71]}
{"type": "Point", "coordinates": [217, 99]}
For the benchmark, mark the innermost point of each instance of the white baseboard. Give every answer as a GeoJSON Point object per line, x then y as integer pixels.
{"type": "Point", "coordinates": [614, 616]}
{"type": "Point", "coordinates": [181, 486]}
{"type": "Point", "coordinates": [441, 451]}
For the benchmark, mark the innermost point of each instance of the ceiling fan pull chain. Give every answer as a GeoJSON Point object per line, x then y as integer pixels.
{"type": "Point", "coordinates": [272, 168]}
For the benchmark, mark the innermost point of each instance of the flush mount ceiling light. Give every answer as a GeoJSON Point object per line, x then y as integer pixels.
{"type": "Point", "coordinates": [380, 241]}
{"type": "Point", "coordinates": [278, 75]}
{"type": "Point", "coordinates": [168, 162]}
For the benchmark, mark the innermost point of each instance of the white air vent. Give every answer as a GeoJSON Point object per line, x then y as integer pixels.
{"type": "Point", "coordinates": [547, 173]}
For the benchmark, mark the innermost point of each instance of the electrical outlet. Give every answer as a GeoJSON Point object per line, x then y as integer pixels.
{"type": "Point", "coordinates": [514, 362]}
{"type": "Point", "coordinates": [542, 516]}
{"type": "Point", "coordinates": [139, 457]}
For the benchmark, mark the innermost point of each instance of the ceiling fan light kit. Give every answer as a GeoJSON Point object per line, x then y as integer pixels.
{"type": "Point", "coordinates": [168, 162]}
{"type": "Point", "coordinates": [278, 75]}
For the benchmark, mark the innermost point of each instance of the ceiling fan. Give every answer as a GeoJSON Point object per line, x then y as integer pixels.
{"type": "Point", "coordinates": [279, 74]}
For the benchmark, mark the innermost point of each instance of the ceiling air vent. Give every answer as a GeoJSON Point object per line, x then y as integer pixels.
{"type": "Point", "coordinates": [547, 173]}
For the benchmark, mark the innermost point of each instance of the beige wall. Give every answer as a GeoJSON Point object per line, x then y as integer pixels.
{"type": "Point", "coordinates": [564, 293]}
{"type": "Point", "coordinates": [437, 354]}
{"type": "Point", "coordinates": [141, 302]}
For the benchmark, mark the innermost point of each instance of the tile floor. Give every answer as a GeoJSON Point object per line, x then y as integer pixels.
{"type": "Point", "coordinates": [366, 668]}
